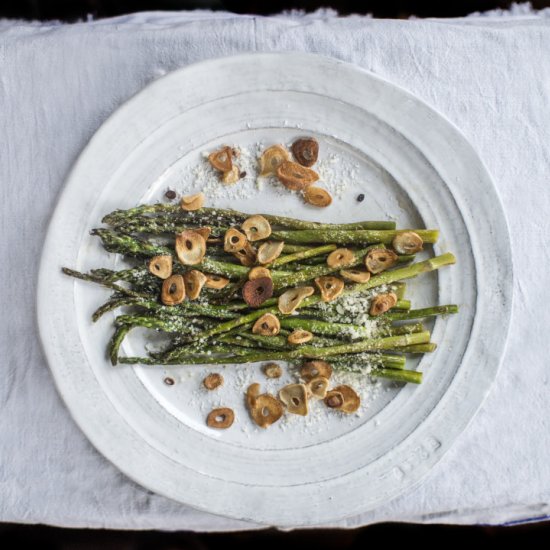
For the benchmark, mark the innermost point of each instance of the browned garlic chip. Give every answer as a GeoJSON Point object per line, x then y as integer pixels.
{"type": "Point", "coordinates": [271, 159]}
{"type": "Point", "coordinates": [257, 291]}
{"type": "Point", "coordinates": [216, 281]}
{"type": "Point", "coordinates": [334, 400]}
{"type": "Point", "coordinates": [296, 177]}
{"type": "Point", "coordinates": [231, 176]}
{"type": "Point", "coordinates": [247, 256]}
{"type": "Point", "coordinates": [190, 247]}
{"type": "Point", "coordinates": [194, 281]}
{"type": "Point", "coordinates": [294, 396]}
{"type": "Point", "coordinates": [264, 409]}
{"type": "Point", "coordinates": [292, 298]}
{"type": "Point", "coordinates": [318, 386]}
{"type": "Point", "coordinates": [191, 203]}
{"type": "Point", "coordinates": [272, 370]}
{"type": "Point", "coordinates": [408, 242]}
{"type": "Point", "coordinates": [317, 196]}
{"type": "Point", "coordinates": [382, 303]}
{"type": "Point", "coordinates": [306, 151]}
{"type": "Point", "coordinates": [314, 368]}
{"type": "Point", "coordinates": [221, 418]}
{"type": "Point", "coordinates": [221, 159]}
{"type": "Point", "coordinates": [267, 325]}
{"type": "Point", "coordinates": [173, 290]}
{"type": "Point", "coordinates": [258, 273]}
{"type": "Point", "coordinates": [299, 336]}
{"type": "Point", "coordinates": [234, 240]}
{"type": "Point", "coordinates": [204, 232]}
{"type": "Point", "coordinates": [330, 287]}
{"type": "Point", "coordinates": [213, 381]}
{"type": "Point", "coordinates": [269, 251]}
{"type": "Point", "coordinates": [355, 275]}
{"type": "Point", "coordinates": [256, 228]}
{"type": "Point", "coordinates": [352, 401]}
{"type": "Point", "coordinates": [380, 259]}
{"type": "Point", "coordinates": [161, 266]}
{"type": "Point", "coordinates": [341, 257]}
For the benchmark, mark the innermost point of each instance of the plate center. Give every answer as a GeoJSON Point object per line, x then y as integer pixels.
{"type": "Point", "coordinates": [347, 173]}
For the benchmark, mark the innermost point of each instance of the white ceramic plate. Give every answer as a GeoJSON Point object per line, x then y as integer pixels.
{"type": "Point", "coordinates": [411, 164]}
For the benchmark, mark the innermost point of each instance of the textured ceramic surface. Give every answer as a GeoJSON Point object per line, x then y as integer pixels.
{"type": "Point", "coordinates": [411, 164]}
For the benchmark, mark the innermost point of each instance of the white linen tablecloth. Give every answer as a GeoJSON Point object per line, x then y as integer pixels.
{"type": "Point", "coordinates": [58, 83]}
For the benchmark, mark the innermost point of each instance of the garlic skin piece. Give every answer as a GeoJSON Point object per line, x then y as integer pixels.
{"type": "Point", "coordinates": [256, 228]}
{"type": "Point", "coordinates": [408, 242]}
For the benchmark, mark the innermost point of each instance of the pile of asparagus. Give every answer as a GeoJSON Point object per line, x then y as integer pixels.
{"type": "Point", "coordinates": [216, 328]}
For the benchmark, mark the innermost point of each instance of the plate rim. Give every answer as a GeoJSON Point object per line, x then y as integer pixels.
{"type": "Point", "coordinates": [251, 57]}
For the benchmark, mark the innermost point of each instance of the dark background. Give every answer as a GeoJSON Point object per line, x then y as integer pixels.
{"type": "Point", "coordinates": [53, 538]}
{"type": "Point", "coordinates": [72, 10]}
{"type": "Point", "coordinates": [383, 535]}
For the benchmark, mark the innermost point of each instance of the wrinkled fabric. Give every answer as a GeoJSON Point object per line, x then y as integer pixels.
{"type": "Point", "coordinates": [58, 83]}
